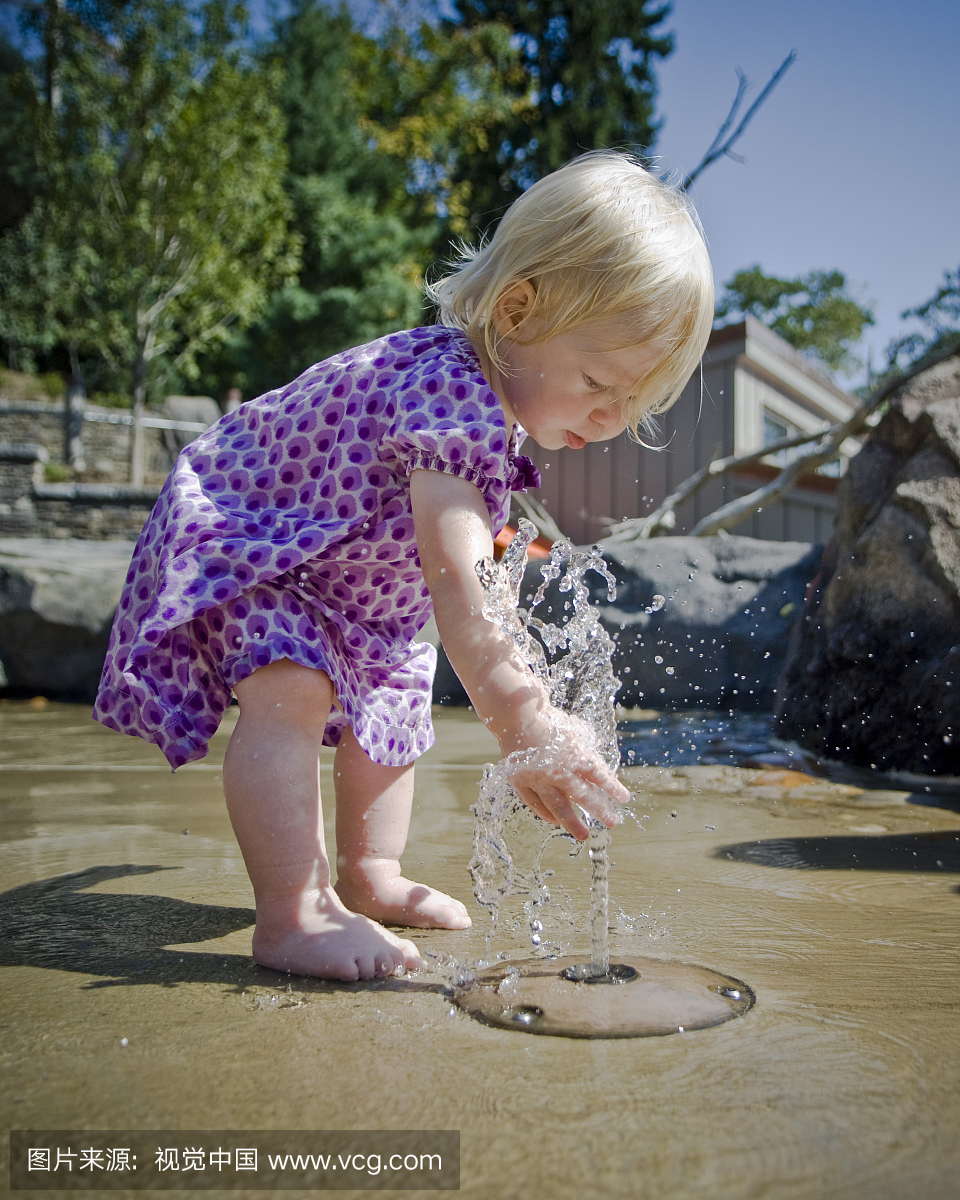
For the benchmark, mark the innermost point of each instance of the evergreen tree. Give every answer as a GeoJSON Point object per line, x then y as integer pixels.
{"type": "Point", "coordinates": [358, 276]}
{"type": "Point", "coordinates": [813, 312]}
{"type": "Point", "coordinates": [374, 128]}
{"type": "Point", "coordinates": [581, 78]}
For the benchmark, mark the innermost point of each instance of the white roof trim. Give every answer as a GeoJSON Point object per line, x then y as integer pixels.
{"type": "Point", "coordinates": [798, 381]}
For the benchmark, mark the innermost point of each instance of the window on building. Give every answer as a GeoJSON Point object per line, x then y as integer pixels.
{"type": "Point", "coordinates": [774, 430]}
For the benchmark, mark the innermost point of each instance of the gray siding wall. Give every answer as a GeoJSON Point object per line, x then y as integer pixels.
{"type": "Point", "coordinates": [587, 490]}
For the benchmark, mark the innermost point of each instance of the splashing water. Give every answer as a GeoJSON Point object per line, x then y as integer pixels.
{"type": "Point", "coordinates": [573, 662]}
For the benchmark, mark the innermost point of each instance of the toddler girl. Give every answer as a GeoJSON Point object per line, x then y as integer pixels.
{"type": "Point", "coordinates": [300, 544]}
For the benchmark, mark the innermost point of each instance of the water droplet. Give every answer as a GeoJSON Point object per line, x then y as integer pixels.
{"type": "Point", "coordinates": [123, 1042]}
{"type": "Point", "coordinates": [658, 659]}
{"type": "Point", "coordinates": [670, 671]}
{"type": "Point", "coordinates": [730, 993]}
{"type": "Point", "coordinates": [524, 1014]}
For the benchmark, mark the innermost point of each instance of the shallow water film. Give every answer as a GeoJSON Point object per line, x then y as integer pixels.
{"type": "Point", "coordinates": [129, 999]}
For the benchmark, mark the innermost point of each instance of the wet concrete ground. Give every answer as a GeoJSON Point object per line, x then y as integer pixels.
{"type": "Point", "coordinates": [125, 914]}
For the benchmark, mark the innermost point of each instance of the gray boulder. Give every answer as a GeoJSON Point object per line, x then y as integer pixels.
{"type": "Point", "coordinates": [873, 674]}
{"type": "Point", "coordinates": [721, 635]}
{"type": "Point", "coordinates": [57, 599]}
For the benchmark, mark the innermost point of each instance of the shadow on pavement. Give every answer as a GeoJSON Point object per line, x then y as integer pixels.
{"type": "Point", "coordinates": [57, 924]}
{"type": "Point", "coordinates": [937, 852]}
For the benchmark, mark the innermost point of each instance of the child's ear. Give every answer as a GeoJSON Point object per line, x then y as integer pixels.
{"type": "Point", "coordinates": [513, 307]}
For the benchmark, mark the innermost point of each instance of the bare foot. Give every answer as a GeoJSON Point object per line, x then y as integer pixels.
{"type": "Point", "coordinates": [378, 890]}
{"type": "Point", "coordinates": [330, 942]}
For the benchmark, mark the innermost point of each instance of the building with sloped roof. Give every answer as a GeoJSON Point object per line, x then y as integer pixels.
{"type": "Point", "coordinates": [754, 389]}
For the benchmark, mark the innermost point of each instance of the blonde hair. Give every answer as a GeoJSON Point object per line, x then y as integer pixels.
{"type": "Point", "coordinates": [600, 238]}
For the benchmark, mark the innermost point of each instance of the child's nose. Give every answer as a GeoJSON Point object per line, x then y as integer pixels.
{"type": "Point", "coordinates": [606, 415]}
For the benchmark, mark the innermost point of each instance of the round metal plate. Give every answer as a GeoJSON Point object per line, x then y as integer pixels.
{"type": "Point", "coordinates": [534, 996]}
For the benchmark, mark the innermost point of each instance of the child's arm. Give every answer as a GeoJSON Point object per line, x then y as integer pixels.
{"type": "Point", "coordinates": [453, 535]}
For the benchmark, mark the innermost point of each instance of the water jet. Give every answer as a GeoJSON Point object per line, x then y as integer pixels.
{"type": "Point", "coordinates": [557, 994]}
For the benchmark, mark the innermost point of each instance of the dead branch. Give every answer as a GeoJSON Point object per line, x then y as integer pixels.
{"type": "Point", "coordinates": [833, 438]}
{"type": "Point", "coordinates": [664, 518]}
{"type": "Point", "coordinates": [720, 147]}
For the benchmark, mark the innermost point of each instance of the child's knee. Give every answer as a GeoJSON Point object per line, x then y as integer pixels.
{"type": "Point", "coordinates": [286, 691]}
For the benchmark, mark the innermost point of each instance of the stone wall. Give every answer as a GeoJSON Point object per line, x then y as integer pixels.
{"type": "Point", "coordinates": [97, 503]}
{"type": "Point", "coordinates": [106, 441]}
{"type": "Point", "coordinates": [32, 508]}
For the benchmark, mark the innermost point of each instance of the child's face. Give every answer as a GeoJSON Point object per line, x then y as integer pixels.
{"type": "Point", "coordinates": [569, 390]}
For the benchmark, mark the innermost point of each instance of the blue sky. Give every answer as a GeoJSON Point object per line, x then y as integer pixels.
{"type": "Point", "coordinates": [853, 162]}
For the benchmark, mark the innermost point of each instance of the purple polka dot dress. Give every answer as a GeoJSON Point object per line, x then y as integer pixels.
{"type": "Point", "coordinates": [285, 531]}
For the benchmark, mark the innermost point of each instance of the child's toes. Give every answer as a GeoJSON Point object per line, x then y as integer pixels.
{"type": "Point", "coordinates": [411, 956]}
{"type": "Point", "coordinates": [445, 912]}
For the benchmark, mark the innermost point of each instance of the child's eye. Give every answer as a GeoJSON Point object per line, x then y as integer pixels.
{"type": "Point", "coordinates": [594, 386]}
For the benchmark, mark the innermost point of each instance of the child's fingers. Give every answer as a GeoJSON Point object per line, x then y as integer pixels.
{"type": "Point", "coordinates": [592, 799]}
{"type": "Point", "coordinates": [533, 802]}
{"type": "Point", "coordinates": [597, 773]}
{"type": "Point", "coordinates": [558, 810]}
{"type": "Point", "coordinates": [561, 791]}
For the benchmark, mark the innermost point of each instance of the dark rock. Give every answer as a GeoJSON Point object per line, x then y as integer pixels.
{"type": "Point", "coordinates": [57, 600]}
{"type": "Point", "coordinates": [721, 635]}
{"type": "Point", "coordinates": [873, 674]}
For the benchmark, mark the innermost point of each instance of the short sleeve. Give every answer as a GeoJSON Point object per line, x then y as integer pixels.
{"type": "Point", "coordinates": [450, 420]}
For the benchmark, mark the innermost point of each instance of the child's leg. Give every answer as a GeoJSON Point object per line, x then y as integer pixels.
{"type": "Point", "coordinates": [272, 782]}
{"type": "Point", "coordinates": [373, 815]}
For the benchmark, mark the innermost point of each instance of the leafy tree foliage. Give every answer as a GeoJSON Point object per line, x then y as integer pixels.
{"type": "Point", "coordinates": [17, 167]}
{"type": "Point", "coordinates": [940, 320]}
{"type": "Point", "coordinates": [580, 77]}
{"type": "Point", "coordinates": [374, 127]}
{"type": "Point", "coordinates": [813, 312]}
{"type": "Point", "coordinates": [360, 259]}
{"type": "Point", "coordinates": [160, 156]}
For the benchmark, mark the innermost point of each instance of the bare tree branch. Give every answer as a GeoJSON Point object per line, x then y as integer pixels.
{"type": "Point", "coordinates": [719, 147]}
{"type": "Point", "coordinates": [738, 510]}
{"type": "Point", "coordinates": [664, 516]}
{"type": "Point", "coordinates": [663, 519]}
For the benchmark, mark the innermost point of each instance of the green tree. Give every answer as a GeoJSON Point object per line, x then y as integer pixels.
{"type": "Point", "coordinates": [39, 249]}
{"type": "Point", "coordinates": [357, 276]}
{"type": "Point", "coordinates": [939, 318]}
{"type": "Point", "coordinates": [432, 100]}
{"type": "Point", "coordinates": [161, 156]}
{"type": "Point", "coordinates": [579, 75]}
{"type": "Point", "coordinates": [813, 312]}
{"type": "Point", "coordinates": [374, 128]}
{"type": "Point", "coordinates": [17, 168]}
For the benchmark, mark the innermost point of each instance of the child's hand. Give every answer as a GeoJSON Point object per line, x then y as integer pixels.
{"type": "Point", "coordinates": [561, 773]}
